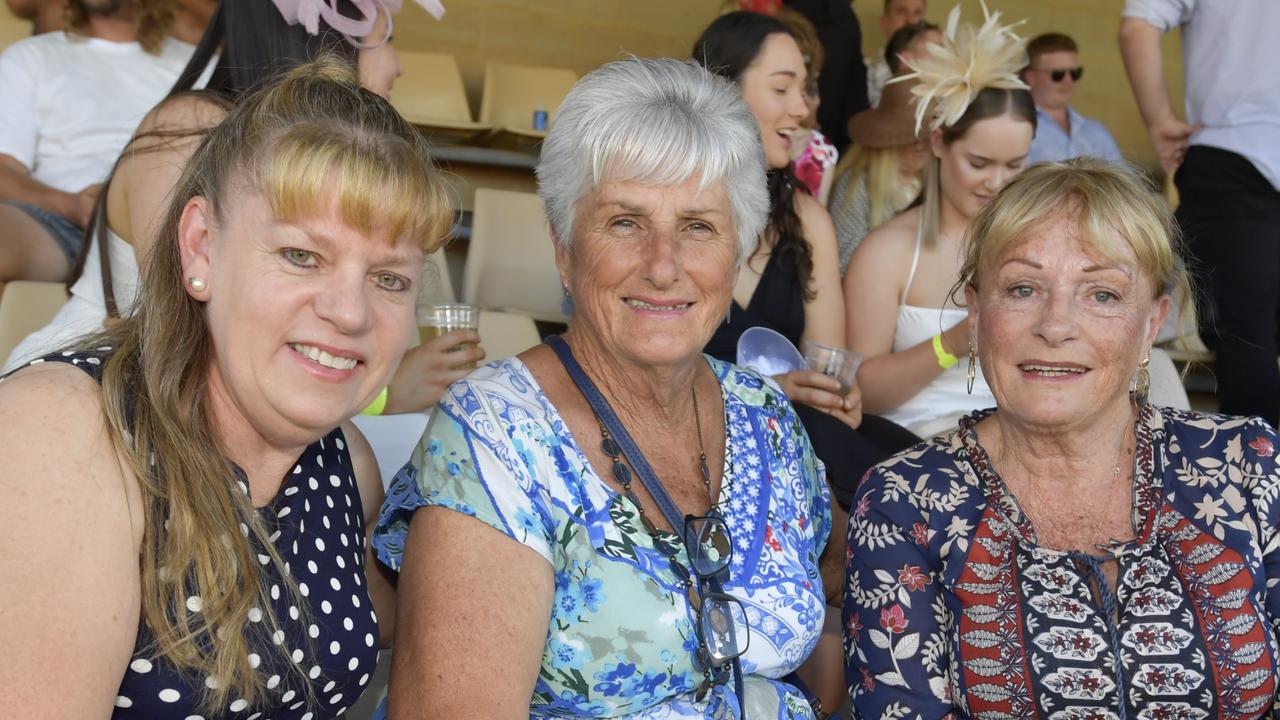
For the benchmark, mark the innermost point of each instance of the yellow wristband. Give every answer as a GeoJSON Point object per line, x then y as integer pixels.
{"type": "Point", "coordinates": [945, 359]}
{"type": "Point", "coordinates": [380, 403]}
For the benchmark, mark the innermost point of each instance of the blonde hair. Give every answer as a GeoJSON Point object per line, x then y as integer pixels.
{"type": "Point", "coordinates": [1116, 213]}
{"type": "Point", "coordinates": [294, 141]}
{"type": "Point", "coordinates": [879, 168]}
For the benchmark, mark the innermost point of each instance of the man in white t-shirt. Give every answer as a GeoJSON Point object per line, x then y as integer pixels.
{"type": "Point", "coordinates": [897, 13]}
{"type": "Point", "coordinates": [1227, 156]}
{"type": "Point", "coordinates": [69, 102]}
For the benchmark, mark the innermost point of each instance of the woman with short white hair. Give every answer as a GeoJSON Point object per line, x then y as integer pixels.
{"type": "Point", "coordinates": [582, 528]}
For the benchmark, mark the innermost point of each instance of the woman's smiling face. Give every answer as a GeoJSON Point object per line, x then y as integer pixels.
{"type": "Point", "coordinates": [773, 86]}
{"type": "Point", "coordinates": [1060, 327]}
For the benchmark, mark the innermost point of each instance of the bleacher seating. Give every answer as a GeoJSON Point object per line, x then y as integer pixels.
{"type": "Point", "coordinates": [511, 262]}
{"type": "Point", "coordinates": [26, 307]}
{"type": "Point", "coordinates": [430, 95]}
{"type": "Point", "coordinates": [512, 93]}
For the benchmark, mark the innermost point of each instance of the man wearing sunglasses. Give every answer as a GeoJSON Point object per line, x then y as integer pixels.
{"type": "Point", "coordinates": [1061, 132]}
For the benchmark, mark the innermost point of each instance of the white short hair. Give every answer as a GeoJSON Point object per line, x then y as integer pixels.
{"type": "Point", "coordinates": [655, 121]}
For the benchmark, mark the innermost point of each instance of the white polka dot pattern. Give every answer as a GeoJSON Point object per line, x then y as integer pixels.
{"type": "Point", "coordinates": [302, 522]}
{"type": "Point", "coordinates": [326, 637]}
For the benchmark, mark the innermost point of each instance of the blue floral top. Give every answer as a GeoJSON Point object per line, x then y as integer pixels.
{"type": "Point", "coordinates": [952, 609]}
{"type": "Point", "coordinates": [621, 640]}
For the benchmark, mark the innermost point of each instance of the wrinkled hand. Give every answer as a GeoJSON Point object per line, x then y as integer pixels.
{"type": "Point", "coordinates": [427, 370]}
{"type": "Point", "coordinates": [80, 207]}
{"type": "Point", "coordinates": [822, 392]}
{"type": "Point", "coordinates": [1170, 138]}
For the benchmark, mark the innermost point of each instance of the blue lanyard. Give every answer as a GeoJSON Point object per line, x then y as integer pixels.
{"type": "Point", "coordinates": [643, 470]}
{"type": "Point", "coordinates": [611, 422]}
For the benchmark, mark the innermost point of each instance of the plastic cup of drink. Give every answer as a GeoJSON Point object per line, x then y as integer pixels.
{"type": "Point", "coordinates": [835, 362]}
{"type": "Point", "coordinates": [436, 320]}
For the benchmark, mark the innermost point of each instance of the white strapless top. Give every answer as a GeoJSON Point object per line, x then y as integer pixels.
{"type": "Point", "coordinates": [938, 407]}
{"type": "Point", "coordinates": [86, 310]}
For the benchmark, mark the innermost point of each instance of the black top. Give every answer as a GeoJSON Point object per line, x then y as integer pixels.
{"type": "Point", "coordinates": [777, 303]}
{"type": "Point", "coordinates": [842, 82]}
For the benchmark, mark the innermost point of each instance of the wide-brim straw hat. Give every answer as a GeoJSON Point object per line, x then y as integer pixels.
{"type": "Point", "coordinates": [892, 124]}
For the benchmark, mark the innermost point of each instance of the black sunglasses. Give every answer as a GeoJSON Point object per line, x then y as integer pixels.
{"type": "Point", "coordinates": [1060, 75]}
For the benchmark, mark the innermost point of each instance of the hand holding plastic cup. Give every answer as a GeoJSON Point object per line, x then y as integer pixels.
{"type": "Point", "coordinates": [834, 362]}
{"type": "Point", "coordinates": [436, 320]}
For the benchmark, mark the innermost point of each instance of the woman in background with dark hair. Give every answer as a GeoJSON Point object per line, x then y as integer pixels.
{"type": "Point", "coordinates": [898, 286]}
{"type": "Point", "coordinates": [791, 284]}
{"type": "Point", "coordinates": [253, 41]}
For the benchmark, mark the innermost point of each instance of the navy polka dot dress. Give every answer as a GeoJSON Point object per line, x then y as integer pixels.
{"type": "Point", "coordinates": [317, 525]}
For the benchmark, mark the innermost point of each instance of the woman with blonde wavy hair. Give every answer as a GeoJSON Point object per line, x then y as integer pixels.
{"type": "Point", "coordinates": [879, 176]}
{"type": "Point", "coordinates": [184, 525]}
{"type": "Point", "coordinates": [1079, 550]}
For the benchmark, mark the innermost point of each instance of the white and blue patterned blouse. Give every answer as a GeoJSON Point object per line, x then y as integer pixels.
{"type": "Point", "coordinates": [621, 640]}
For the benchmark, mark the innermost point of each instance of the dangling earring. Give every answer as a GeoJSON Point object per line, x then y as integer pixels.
{"type": "Point", "coordinates": [197, 284]}
{"type": "Point", "coordinates": [973, 368]}
{"type": "Point", "coordinates": [1142, 382]}
{"type": "Point", "coordinates": [566, 305]}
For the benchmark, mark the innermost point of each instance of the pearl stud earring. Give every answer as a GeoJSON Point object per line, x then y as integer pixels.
{"type": "Point", "coordinates": [197, 284]}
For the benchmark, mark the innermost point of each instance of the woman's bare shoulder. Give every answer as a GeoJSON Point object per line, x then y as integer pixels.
{"type": "Point", "coordinates": [57, 440]}
{"type": "Point", "coordinates": [895, 238]}
{"type": "Point", "coordinates": [186, 111]}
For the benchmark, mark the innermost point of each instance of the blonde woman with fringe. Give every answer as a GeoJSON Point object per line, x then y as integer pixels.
{"type": "Point", "coordinates": [1080, 550]}
{"type": "Point", "coordinates": [897, 289]}
{"type": "Point", "coordinates": [879, 176]}
{"type": "Point", "coordinates": [183, 532]}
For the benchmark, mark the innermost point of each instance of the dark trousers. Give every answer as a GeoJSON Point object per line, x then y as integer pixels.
{"type": "Point", "coordinates": [1230, 214]}
{"type": "Point", "coordinates": [848, 453]}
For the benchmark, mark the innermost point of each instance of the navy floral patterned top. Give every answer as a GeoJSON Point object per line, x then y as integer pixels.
{"type": "Point", "coordinates": [953, 610]}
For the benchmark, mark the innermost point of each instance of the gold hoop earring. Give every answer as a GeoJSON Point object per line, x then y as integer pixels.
{"type": "Point", "coordinates": [973, 368]}
{"type": "Point", "coordinates": [1142, 382]}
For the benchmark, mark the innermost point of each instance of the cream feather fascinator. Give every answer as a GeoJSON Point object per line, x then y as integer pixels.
{"type": "Point", "coordinates": [968, 60]}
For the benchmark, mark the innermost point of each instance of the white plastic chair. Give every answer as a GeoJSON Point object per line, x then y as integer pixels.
{"type": "Point", "coordinates": [26, 307]}
{"type": "Point", "coordinates": [429, 94]}
{"type": "Point", "coordinates": [511, 262]}
{"type": "Point", "coordinates": [512, 93]}
{"type": "Point", "coordinates": [503, 334]}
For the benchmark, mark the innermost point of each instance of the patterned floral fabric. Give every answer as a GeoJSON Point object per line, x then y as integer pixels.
{"type": "Point", "coordinates": [952, 610]}
{"type": "Point", "coordinates": [621, 640]}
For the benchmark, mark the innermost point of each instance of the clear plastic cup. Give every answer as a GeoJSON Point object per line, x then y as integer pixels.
{"type": "Point", "coordinates": [436, 320]}
{"type": "Point", "coordinates": [835, 362]}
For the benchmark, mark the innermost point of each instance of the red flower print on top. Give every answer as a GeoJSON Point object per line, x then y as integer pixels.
{"type": "Point", "coordinates": [912, 578]}
{"type": "Point", "coordinates": [1262, 446]}
{"type": "Point", "coordinates": [920, 533]}
{"type": "Point", "coordinates": [893, 619]}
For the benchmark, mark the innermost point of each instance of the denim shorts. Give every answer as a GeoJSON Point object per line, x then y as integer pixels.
{"type": "Point", "coordinates": [64, 232]}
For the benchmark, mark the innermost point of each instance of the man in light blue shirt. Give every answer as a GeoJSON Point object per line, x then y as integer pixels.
{"type": "Point", "coordinates": [1061, 132]}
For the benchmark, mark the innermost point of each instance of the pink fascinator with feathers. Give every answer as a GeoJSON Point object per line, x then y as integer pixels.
{"type": "Point", "coordinates": [969, 60]}
{"type": "Point", "coordinates": [309, 13]}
